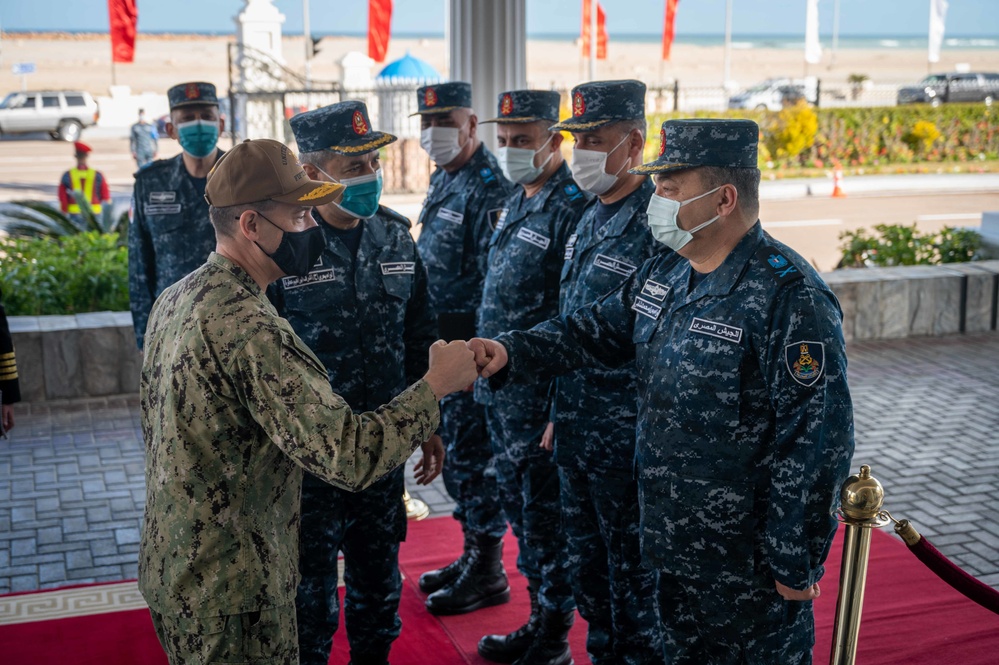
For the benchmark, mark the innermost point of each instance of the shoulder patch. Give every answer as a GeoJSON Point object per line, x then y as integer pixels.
{"type": "Point", "coordinates": [572, 192]}
{"type": "Point", "coordinates": [487, 175]}
{"type": "Point", "coordinates": [780, 267]}
{"type": "Point", "coordinates": [388, 213]}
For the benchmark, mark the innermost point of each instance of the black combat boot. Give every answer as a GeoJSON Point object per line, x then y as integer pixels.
{"type": "Point", "coordinates": [433, 580]}
{"type": "Point", "coordinates": [482, 583]}
{"type": "Point", "coordinates": [551, 641]}
{"type": "Point", "coordinates": [508, 648]}
{"type": "Point", "coordinates": [379, 657]}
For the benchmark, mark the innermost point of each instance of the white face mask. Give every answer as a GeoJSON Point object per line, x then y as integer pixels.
{"type": "Point", "coordinates": [441, 143]}
{"type": "Point", "coordinates": [662, 214]}
{"type": "Point", "coordinates": [518, 163]}
{"type": "Point", "coordinates": [588, 169]}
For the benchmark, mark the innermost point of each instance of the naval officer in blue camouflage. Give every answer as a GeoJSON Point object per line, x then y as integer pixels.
{"type": "Point", "coordinates": [746, 422]}
{"type": "Point", "coordinates": [364, 311]}
{"type": "Point", "coordinates": [594, 410]}
{"type": "Point", "coordinates": [463, 206]}
{"type": "Point", "coordinates": [522, 289]}
{"type": "Point", "coordinates": [170, 234]}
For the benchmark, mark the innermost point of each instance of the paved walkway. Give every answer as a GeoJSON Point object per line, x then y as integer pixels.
{"type": "Point", "coordinates": [927, 420]}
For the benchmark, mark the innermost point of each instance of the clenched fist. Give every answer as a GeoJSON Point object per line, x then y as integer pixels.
{"type": "Point", "coordinates": [490, 355]}
{"type": "Point", "coordinates": [452, 368]}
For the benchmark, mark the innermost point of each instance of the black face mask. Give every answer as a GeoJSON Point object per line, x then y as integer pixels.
{"type": "Point", "coordinates": [298, 251]}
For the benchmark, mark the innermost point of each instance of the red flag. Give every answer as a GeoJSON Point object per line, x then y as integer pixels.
{"type": "Point", "coordinates": [601, 31]}
{"type": "Point", "coordinates": [379, 28]}
{"type": "Point", "coordinates": [124, 16]}
{"type": "Point", "coordinates": [668, 28]}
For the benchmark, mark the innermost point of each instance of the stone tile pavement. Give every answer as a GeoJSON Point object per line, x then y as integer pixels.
{"type": "Point", "coordinates": [927, 419]}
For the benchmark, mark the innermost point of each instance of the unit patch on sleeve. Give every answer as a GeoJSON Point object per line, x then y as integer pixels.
{"type": "Point", "coordinates": [399, 268]}
{"type": "Point", "coordinates": [716, 329]}
{"type": "Point", "coordinates": [614, 265]}
{"type": "Point", "coordinates": [805, 361]}
{"type": "Point", "coordinates": [536, 239]}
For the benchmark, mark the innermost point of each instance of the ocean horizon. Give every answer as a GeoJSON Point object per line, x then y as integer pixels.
{"type": "Point", "coordinates": [739, 41]}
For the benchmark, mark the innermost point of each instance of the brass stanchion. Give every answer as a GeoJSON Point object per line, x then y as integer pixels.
{"type": "Point", "coordinates": [861, 498]}
{"type": "Point", "coordinates": [416, 510]}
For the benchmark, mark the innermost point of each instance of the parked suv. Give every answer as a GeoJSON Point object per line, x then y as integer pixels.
{"type": "Point", "coordinates": [938, 88]}
{"type": "Point", "coordinates": [61, 113]}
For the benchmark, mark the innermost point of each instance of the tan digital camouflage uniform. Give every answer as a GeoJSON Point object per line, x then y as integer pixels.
{"type": "Point", "coordinates": [234, 406]}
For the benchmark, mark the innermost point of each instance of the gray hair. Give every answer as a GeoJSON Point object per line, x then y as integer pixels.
{"type": "Point", "coordinates": [745, 180]}
{"type": "Point", "coordinates": [224, 219]}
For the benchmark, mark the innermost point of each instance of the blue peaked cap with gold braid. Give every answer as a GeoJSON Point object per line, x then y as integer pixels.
{"type": "Point", "coordinates": [522, 106]}
{"type": "Point", "coordinates": [600, 103]}
{"type": "Point", "coordinates": [343, 128]}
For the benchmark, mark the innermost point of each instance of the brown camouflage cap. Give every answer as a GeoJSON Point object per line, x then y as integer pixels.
{"type": "Point", "coordinates": [265, 169]}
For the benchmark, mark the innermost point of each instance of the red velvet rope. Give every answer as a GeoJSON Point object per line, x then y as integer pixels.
{"type": "Point", "coordinates": [977, 591]}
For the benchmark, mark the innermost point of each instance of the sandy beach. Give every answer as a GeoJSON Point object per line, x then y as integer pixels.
{"type": "Point", "coordinates": [84, 61]}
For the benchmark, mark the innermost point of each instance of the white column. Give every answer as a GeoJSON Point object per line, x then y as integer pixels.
{"type": "Point", "coordinates": [258, 27]}
{"type": "Point", "coordinates": [487, 47]}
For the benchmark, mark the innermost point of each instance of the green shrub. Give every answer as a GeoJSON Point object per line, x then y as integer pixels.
{"type": "Point", "coordinates": [863, 137]}
{"type": "Point", "coordinates": [85, 272]}
{"type": "Point", "coordinates": [900, 245]}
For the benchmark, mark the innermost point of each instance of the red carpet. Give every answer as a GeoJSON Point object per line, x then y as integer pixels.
{"type": "Point", "coordinates": [910, 617]}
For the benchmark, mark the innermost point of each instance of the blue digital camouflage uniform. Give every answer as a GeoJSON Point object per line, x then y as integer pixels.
{"type": "Point", "coordinates": [745, 435]}
{"type": "Point", "coordinates": [595, 418]}
{"type": "Point", "coordinates": [368, 319]}
{"type": "Point", "coordinates": [370, 323]}
{"type": "Point", "coordinates": [522, 289]}
{"type": "Point", "coordinates": [170, 234]}
{"type": "Point", "coordinates": [457, 222]}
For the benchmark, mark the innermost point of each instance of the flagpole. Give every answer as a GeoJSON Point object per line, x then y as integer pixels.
{"type": "Point", "coordinates": [307, 33]}
{"type": "Point", "coordinates": [728, 41]}
{"type": "Point", "coordinates": [835, 35]}
{"type": "Point", "coordinates": [593, 40]}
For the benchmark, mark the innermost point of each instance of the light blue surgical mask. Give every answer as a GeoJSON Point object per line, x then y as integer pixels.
{"type": "Point", "coordinates": [198, 137]}
{"type": "Point", "coordinates": [361, 196]}
{"type": "Point", "coordinates": [662, 213]}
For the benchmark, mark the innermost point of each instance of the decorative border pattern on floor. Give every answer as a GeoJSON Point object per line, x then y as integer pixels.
{"type": "Point", "coordinates": [66, 603]}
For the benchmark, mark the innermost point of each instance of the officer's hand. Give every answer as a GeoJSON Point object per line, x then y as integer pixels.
{"type": "Point", "coordinates": [811, 593]}
{"type": "Point", "coordinates": [429, 467]}
{"type": "Point", "coordinates": [548, 437]}
{"type": "Point", "coordinates": [452, 368]}
{"type": "Point", "coordinates": [7, 414]}
{"type": "Point", "coordinates": [490, 355]}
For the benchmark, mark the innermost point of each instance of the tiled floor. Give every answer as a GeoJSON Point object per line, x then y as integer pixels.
{"type": "Point", "coordinates": [927, 420]}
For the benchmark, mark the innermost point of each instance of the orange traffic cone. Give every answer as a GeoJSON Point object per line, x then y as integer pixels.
{"type": "Point", "coordinates": [838, 192]}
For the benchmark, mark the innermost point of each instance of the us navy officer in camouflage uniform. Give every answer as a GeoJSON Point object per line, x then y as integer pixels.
{"type": "Point", "coordinates": [746, 423]}
{"type": "Point", "coordinates": [463, 205]}
{"type": "Point", "coordinates": [170, 234]}
{"type": "Point", "coordinates": [522, 289]}
{"type": "Point", "coordinates": [235, 406]}
{"type": "Point", "coordinates": [363, 310]}
{"type": "Point", "coordinates": [594, 409]}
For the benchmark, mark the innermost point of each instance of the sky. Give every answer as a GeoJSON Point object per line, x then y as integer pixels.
{"type": "Point", "coordinates": [695, 17]}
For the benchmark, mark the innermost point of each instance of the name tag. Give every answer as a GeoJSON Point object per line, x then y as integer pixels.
{"type": "Point", "coordinates": [536, 239]}
{"type": "Point", "coordinates": [399, 268]}
{"type": "Point", "coordinates": [317, 277]}
{"type": "Point", "coordinates": [646, 308]}
{"type": "Point", "coordinates": [450, 216]}
{"type": "Point", "coordinates": [162, 197]}
{"type": "Point", "coordinates": [655, 290]}
{"type": "Point", "coordinates": [570, 246]}
{"type": "Point", "coordinates": [613, 265]}
{"type": "Point", "coordinates": [161, 208]}
{"type": "Point", "coordinates": [716, 329]}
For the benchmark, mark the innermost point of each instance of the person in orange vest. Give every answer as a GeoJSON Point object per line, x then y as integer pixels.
{"type": "Point", "coordinates": [90, 182]}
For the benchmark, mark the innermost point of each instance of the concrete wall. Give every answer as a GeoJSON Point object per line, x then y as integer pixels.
{"type": "Point", "coordinates": [91, 355]}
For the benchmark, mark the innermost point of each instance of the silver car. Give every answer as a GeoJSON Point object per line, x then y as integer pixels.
{"type": "Point", "coordinates": [61, 113]}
